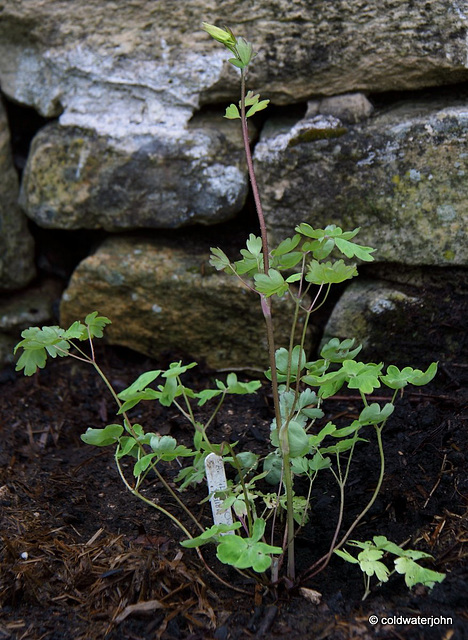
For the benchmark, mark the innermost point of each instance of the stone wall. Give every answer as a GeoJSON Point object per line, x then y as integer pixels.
{"type": "Point", "coordinates": [367, 127]}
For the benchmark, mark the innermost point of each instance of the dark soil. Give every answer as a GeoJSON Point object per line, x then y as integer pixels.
{"type": "Point", "coordinates": [81, 558]}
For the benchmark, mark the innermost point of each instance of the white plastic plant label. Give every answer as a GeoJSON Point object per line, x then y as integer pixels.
{"type": "Point", "coordinates": [216, 478]}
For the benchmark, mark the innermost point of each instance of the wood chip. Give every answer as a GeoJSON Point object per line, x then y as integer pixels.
{"type": "Point", "coordinates": [144, 608]}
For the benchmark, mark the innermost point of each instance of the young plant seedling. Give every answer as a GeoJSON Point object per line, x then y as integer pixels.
{"type": "Point", "coordinates": [257, 506]}
{"type": "Point", "coordinates": [370, 563]}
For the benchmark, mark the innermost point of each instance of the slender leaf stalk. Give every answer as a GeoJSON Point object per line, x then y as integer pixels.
{"type": "Point", "coordinates": [266, 308]}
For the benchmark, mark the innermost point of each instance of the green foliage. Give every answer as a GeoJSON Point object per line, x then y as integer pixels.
{"type": "Point", "coordinates": [329, 272]}
{"type": "Point", "coordinates": [370, 562]}
{"type": "Point", "coordinates": [261, 487]}
{"type": "Point", "coordinates": [103, 437]}
{"type": "Point", "coordinates": [252, 101]}
{"type": "Point", "coordinates": [242, 50]}
{"type": "Point", "coordinates": [249, 552]}
{"type": "Point", "coordinates": [213, 534]}
{"type": "Point", "coordinates": [396, 379]}
{"type": "Point", "coordinates": [54, 341]}
{"type": "Point", "coordinates": [305, 257]}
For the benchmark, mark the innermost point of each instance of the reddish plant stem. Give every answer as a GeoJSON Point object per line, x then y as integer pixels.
{"type": "Point", "coordinates": [266, 309]}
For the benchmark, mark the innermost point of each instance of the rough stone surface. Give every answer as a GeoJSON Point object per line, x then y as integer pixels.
{"type": "Point", "coordinates": [392, 315]}
{"type": "Point", "coordinates": [349, 107]}
{"type": "Point", "coordinates": [400, 176]}
{"type": "Point", "coordinates": [164, 298]}
{"type": "Point", "coordinates": [76, 179]}
{"type": "Point", "coordinates": [94, 61]}
{"type": "Point", "coordinates": [16, 243]}
{"type": "Point", "coordinates": [32, 307]}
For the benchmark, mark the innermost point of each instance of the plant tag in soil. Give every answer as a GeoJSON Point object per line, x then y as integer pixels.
{"type": "Point", "coordinates": [216, 478]}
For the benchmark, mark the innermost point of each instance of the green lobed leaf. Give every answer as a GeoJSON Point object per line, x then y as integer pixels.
{"type": "Point", "coordinates": [246, 553]}
{"type": "Point", "coordinates": [237, 63]}
{"type": "Point", "coordinates": [220, 261]}
{"type": "Point", "coordinates": [320, 248]}
{"type": "Point", "coordinates": [273, 465]}
{"type": "Point", "coordinates": [345, 555]}
{"type": "Point", "coordinates": [327, 430]}
{"type": "Point", "coordinates": [31, 360]}
{"type": "Point", "coordinates": [244, 51]}
{"type": "Point", "coordinates": [271, 284]}
{"type": "Point", "coordinates": [364, 377]}
{"type": "Point", "coordinates": [177, 369]}
{"type": "Point", "coordinates": [369, 561]}
{"type": "Point", "coordinates": [373, 414]}
{"type": "Point", "coordinates": [37, 344]}
{"type": "Point", "coordinates": [328, 383]}
{"type": "Point", "coordinates": [103, 437]}
{"type": "Point", "coordinates": [96, 324]}
{"type": "Point", "coordinates": [128, 446]}
{"type": "Point", "coordinates": [139, 384]}
{"type": "Point", "coordinates": [167, 449]}
{"type": "Point", "coordinates": [415, 574]}
{"type": "Point", "coordinates": [318, 463]}
{"type": "Point", "coordinates": [295, 277]}
{"type": "Point", "coordinates": [298, 440]}
{"type": "Point", "coordinates": [210, 535]}
{"type": "Point", "coordinates": [232, 112]}
{"type": "Point", "coordinates": [396, 379]}
{"type": "Point", "coordinates": [338, 351]}
{"type": "Point", "coordinates": [352, 250]}
{"type": "Point", "coordinates": [286, 246]}
{"type": "Point", "coordinates": [254, 245]}
{"type": "Point", "coordinates": [329, 272]}
{"type": "Point", "coordinates": [77, 331]}
{"type": "Point", "coordinates": [381, 542]}
{"type": "Point", "coordinates": [143, 463]}
{"type": "Point", "coordinates": [259, 106]}
{"type": "Point", "coordinates": [419, 378]}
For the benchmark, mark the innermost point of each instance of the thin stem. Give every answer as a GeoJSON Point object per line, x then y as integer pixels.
{"type": "Point", "coordinates": [320, 564]}
{"type": "Point", "coordinates": [148, 501]}
{"type": "Point", "coordinates": [176, 521]}
{"type": "Point", "coordinates": [244, 489]}
{"type": "Point", "coordinates": [153, 466]}
{"type": "Point", "coordinates": [253, 179]}
{"type": "Point", "coordinates": [266, 309]}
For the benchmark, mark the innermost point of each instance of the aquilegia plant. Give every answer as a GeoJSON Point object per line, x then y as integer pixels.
{"type": "Point", "coordinates": [261, 492]}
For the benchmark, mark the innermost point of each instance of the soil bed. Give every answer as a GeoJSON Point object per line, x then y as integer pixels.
{"type": "Point", "coordinates": [81, 558]}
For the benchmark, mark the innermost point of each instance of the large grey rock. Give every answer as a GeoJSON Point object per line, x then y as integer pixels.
{"type": "Point", "coordinates": [124, 80]}
{"type": "Point", "coordinates": [400, 175]}
{"type": "Point", "coordinates": [408, 316]}
{"type": "Point", "coordinates": [77, 179]}
{"type": "Point", "coordinates": [16, 243]}
{"type": "Point", "coordinates": [111, 66]}
{"type": "Point", "coordinates": [162, 298]}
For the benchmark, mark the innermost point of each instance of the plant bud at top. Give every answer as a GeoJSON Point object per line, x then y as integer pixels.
{"type": "Point", "coordinates": [224, 36]}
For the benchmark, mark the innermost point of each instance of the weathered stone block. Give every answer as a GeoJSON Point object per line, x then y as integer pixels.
{"type": "Point", "coordinates": [399, 314]}
{"type": "Point", "coordinates": [400, 176]}
{"type": "Point", "coordinates": [164, 298]}
{"type": "Point", "coordinates": [16, 243]}
{"type": "Point", "coordinates": [83, 57]}
{"type": "Point", "coordinates": [76, 179]}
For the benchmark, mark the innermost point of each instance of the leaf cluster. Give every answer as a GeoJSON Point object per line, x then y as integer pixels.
{"type": "Point", "coordinates": [242, 552]}
{"type": "Point", "coordinates": [405, 563]}
{"type": "Point", "coordinates": [39, 343]}
{"type": "Point", "coordinates": [242, 50]}
{"type": "Point", "coordinates": [301, 257]}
